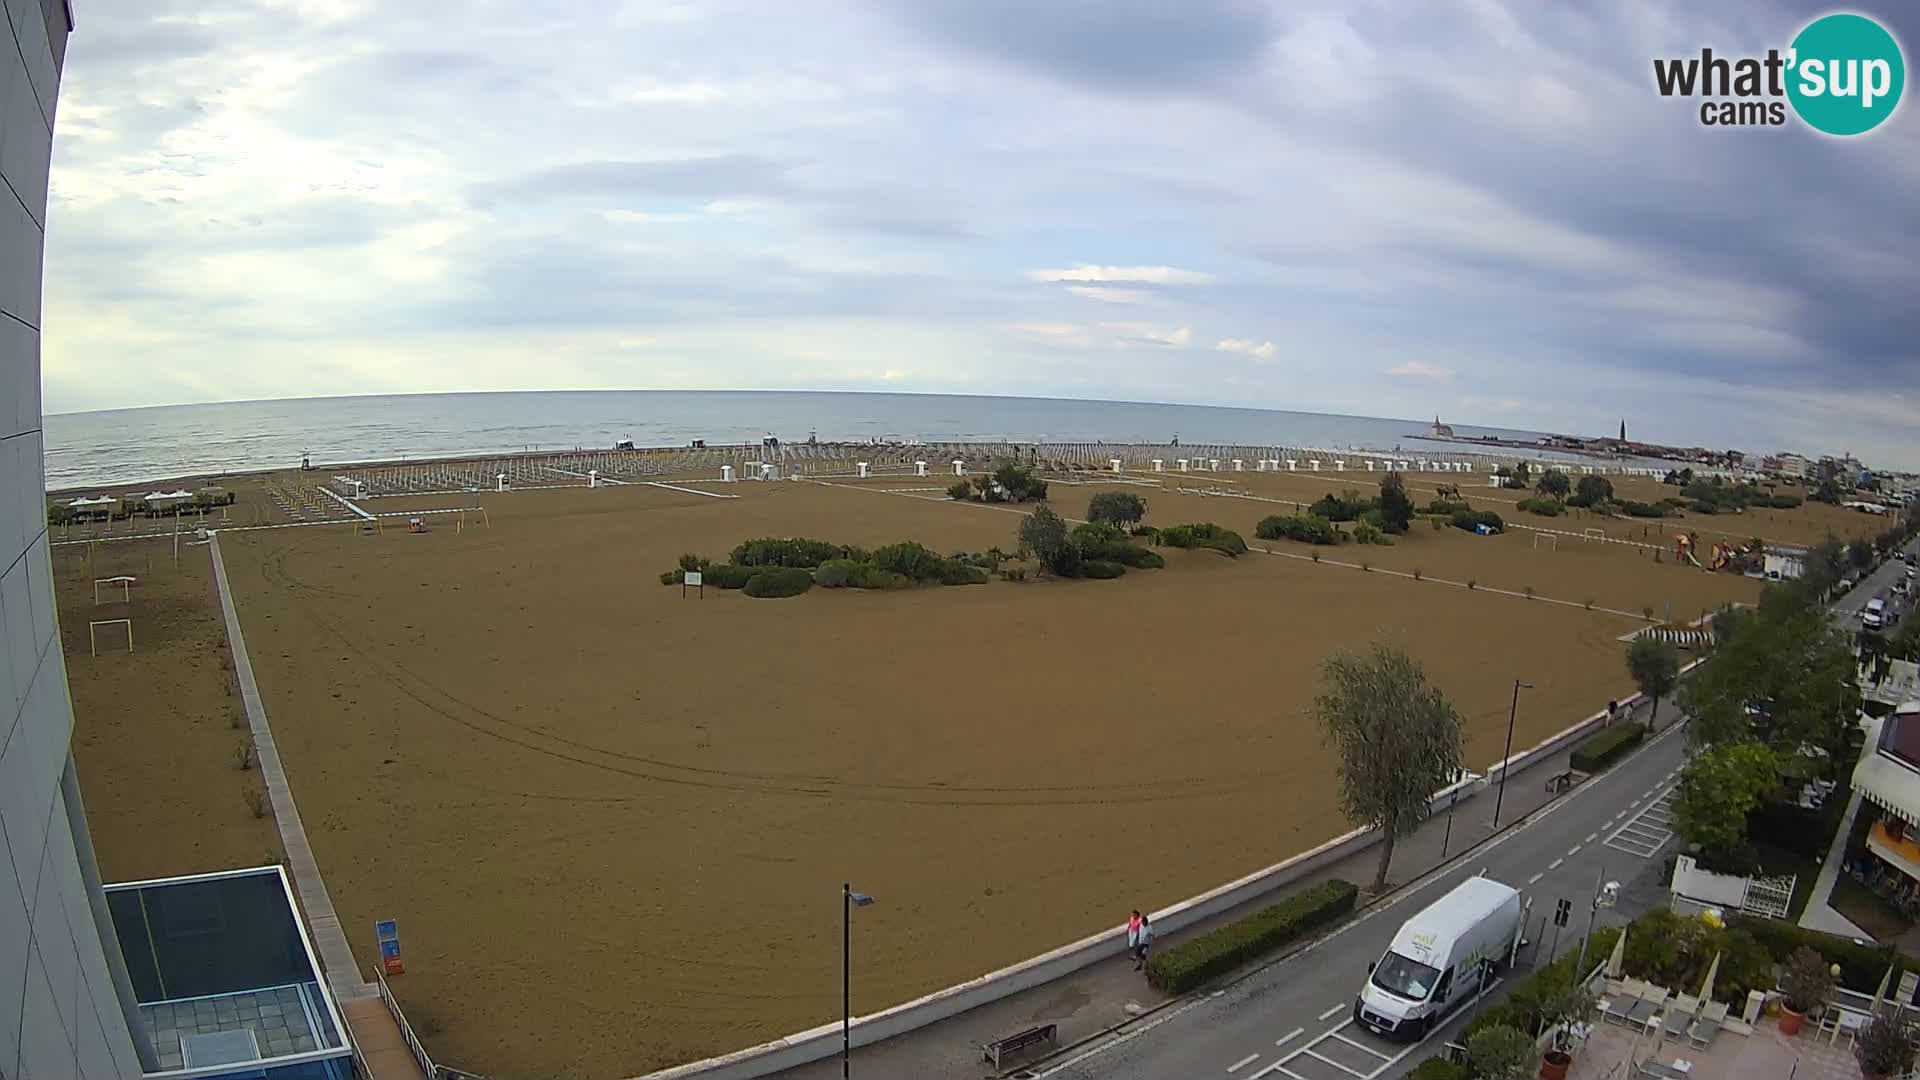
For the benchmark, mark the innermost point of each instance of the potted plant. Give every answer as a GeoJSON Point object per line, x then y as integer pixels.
{"type": "Point", "coordinates": [1885, 1047]}
{"type": "Point", "coordinates": [1500, 1052]}
{"type": "Point", "coordinates": [1564, 1006]}
{"type": "Point", "coordinates": [1806, 985]}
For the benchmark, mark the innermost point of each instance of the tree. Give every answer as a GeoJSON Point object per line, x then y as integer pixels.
{"type": "Point", "coordinates": [1860, 555]}
{"type": "Point", "coordinates": [1398, 740]}
{"type": "Point", "coordinates": [1120, 508]}
{"type": "Point", "coordinates": [1784, 676]}
{"type": "Point", "coordinates": [1655, 667]}
{"type": "Point", "coordinates": [1592, 491]}
{"type": "Point", "coordinates": [1718, 789]}
{"type": "Point", "coordinates": [1517, 477]}
{"type": "Point", "coordinates": [1554, 484]}
{"type": "Point", "coordinates": [1396, 506]}
{"type": "Point", "coordinates": [1043, 536]}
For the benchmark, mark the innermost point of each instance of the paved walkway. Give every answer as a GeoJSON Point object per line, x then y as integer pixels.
{"type": "Point", "coordinates": [1105, 995]}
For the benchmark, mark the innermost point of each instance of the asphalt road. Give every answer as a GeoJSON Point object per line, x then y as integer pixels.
{"type": "Point", "coordinates": [1293, 1021]}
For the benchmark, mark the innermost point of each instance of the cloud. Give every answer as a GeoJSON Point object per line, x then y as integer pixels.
{"type": "Point", "coordinates": [322, 196]}
{"type": "Point", "coordinates": [1106, 295]}
{"type": "Point", "coordinates": [1420, 369]}
{"type": "Point", "coordinates": [1146, 275]}
{"type": "Point", "coordinates": [1259, 350]}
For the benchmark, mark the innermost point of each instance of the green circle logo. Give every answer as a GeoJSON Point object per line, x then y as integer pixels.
{"type": "Point", "coordinates": [1846, 74]}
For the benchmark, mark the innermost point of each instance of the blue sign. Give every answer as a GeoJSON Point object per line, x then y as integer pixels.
{"type": "Point", "coordinates": [387, 930]}
{"type": "Point", "coordinates": [389, 948]}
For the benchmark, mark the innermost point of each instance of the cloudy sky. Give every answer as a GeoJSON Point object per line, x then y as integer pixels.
{"type": "Point", "coordinates": [1398, 208]}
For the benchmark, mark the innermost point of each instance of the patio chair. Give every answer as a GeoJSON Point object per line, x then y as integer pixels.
{"type": "Point", "coordinates": [1679, 1017]}
{"type": "Point", "coordinates": [1614, 1010]}
{"type": "Point", "coordinates": [1647, 1008]}
{"type": "Point", "coordinates": [1701, 1032]}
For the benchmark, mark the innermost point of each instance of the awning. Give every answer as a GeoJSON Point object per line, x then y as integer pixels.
{"type": "Point", "coordinates": [1884, 780]}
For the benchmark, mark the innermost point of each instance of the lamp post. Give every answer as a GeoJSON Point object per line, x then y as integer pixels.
{"type": "Point", "coordinates": [1512, 712]}
{"type": "Point", "coordinates": [848, 901]}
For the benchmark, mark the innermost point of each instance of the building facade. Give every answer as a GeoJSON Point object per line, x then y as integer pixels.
{"type": "Point", "coordinates": [62, 1008]}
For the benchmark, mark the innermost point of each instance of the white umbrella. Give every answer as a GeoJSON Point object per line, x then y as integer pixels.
{"type": "Point", "coordinates": [1886, 981]}
{"type": "Point", "coordinates": [1617, 961]}
{"type": "Point", "coordinates": [1706, 987]}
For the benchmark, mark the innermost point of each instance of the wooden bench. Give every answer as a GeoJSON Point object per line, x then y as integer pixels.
{"type": "Point", "coordinates": [1559, 782]}
{"type": "Point", "coordinates": [1020, 1040]}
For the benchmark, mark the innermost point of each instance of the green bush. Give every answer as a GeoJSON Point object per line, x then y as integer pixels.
{"type": "Point", "coordinates": [1702, 506]}
{"type": "Point", "coordinates": [1137, 557]}
{"type": "Point", "coordinates": [1645, 510]}
{"type": "Point", "coordinates": [1600, 750]}
{"type": "Point", "coordinates": [1861, 966]}
{"type": "Point", "coordinates": [960, 490]}
{"type": "Point", "coordinates": [955, 572]}
{"type": "Point", "coordinates": [1543, 507]}
{"type": "Point", "coordinates": [779, 581]}
{"type": "Point", "coordinates": [1101, 569]}
{"type": "Point", "coordinates": [1446, 507]}
{"type": "Point", "coordinates": [793, 551]}
{"type": "Point", "coordinates": [672, 577]}
{"type": "Point", "coordinates": [1145, 532]}
{"type": "Point", "coordinates": [1783, 502]}
{"type": "Point", "coordinates": [690, 561]}
{"type": "Point", "coordinates": [1191, 963]}
{"type": "Point", "coordinates": [729, 576]}
{"type": "Point", "coordinates": [1796, 829]}
{"type": "Point", "coordinates": [836, 573]}
{"type": "Point", "coordinates": [1307, 528]}
{"type": "Point", "coordinates": [1204, 535]}
{"type": "Point", "coordinates": [869, 576]}
{"type": "Point", "coordinates": [1469, 520]}
{"type": "Point", "coordinates": [913, 560]}
{"type": "Point", "coordinates": [1374, 518]}
{"type": "Point", "coordinates": [1366, 532]}
{"type": "Point", "coordinates": [1439, 1068]}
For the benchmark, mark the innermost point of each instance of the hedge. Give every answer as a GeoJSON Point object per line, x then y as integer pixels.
{"type": "Point", "coordinates": [1543, 507]}
{"type": "Point", "coordinates": [1204, 535]}
{"type": "Point", "coordinates": [914, 560]}
{"type": "Point", "coordinates": [1191, 963]}
{"type": "Point", "coordinates": [869, 576]}
{"type": "Point", "coordinates": [729, 576]}
{"type": "Point", "coordinates": [955, 572]}
{"type": "Point", "coordinates": [672, 577]}
{"type": "Point", "coordinates": [1137, 557]}
{"type": "Point", "coordinates": [1645, 510]}
{"type": "Point", "coordinates": [1101, 569]}
{"type": "Point", "coordinates": [1439, 1068]}
{"type": "Point", "coordinates": [1861, 966]}
{"type": "Point", "coordinates": [778, 582]}
{"type": "Point", "coordinates": [1521, 1009]}
{"type": "Point", "coordinates": [1309, 528]}
{"type": "Point", "coordinates": [1472, 519]}
{"type": "Point", "coordinates": [793, 551]}
{"type": "Point", "coordinates": [1603, 749]}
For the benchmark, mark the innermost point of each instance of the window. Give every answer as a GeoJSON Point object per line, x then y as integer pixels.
{"type": "Point", "coordinates": [1404, 977]}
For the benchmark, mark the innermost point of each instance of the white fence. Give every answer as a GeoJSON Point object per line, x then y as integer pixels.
{"type": "Point", "coordinates": [1695, 889]}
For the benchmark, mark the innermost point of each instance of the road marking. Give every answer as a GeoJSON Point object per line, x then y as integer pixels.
{"type": "Point", "coordinates": [1590, 837]}
{"type": "Point", "coordinates": [1318, 1056]}
{"type": "Point", "coordinates": [1535, 878]}
{"type": "Point", "coordinates": [1243, 1063]}
{"type": "Point", "coordinates": [1572, 851]}
{"type": "Point", "coordinates": [1633, 804]}
{"type": "Point", "coordinates": [1333, 1011]}
{"type": "Point", "coordinates": [1289, 1036]}
{"type": "Point", "coordinates": [1361, 1047]}
{"type": "Point", "coordinates": [1555, 864]}
{"type": "Point", "coordinates": [1646, 832]}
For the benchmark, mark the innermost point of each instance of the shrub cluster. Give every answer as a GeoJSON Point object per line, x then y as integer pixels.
{"type": "Point", "coordinates": [1204, 535]}
{"type": "Point", "coordinates": [1646, 510]}
{"type": "Point", "coordinates": [1861, 966]}
{"type": "Point", "coordinates": [1472, 519]}
{"type": "Point", "coordinates": [1191, 963]}
{"type": "Point", "coordinates": [784, 562]}
{"type": "Point", "coordinates": [1600, 750]}
{"type": "Point", "coordinates": [1346, 506]}
{"type": "Point", "coordinates": [1306, 528]}
{"type": "Point", "coordinates": [1445, 507]}
{"type": "Point", "coordinates": [793, 551]}
{"type": "Point", "coordinates": [1524, 1007]}
{"type": "Point", "coordinates": [1008, 483]}
{"type": "Point", "coordinates": [1543, 507]}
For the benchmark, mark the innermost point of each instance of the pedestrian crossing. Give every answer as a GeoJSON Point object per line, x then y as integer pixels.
{"type": "Point", "coordinates": [1649, 829]}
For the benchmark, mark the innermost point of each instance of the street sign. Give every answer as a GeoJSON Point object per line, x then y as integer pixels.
{"type": "Point", "coordinates": [387, 931]}
{"type": "Point", "coordinates": [1561, 912]}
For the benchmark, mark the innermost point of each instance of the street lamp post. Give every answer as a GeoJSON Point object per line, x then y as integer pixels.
{"type": "Point", "coordinates": [1512, 712]}
{"type": "Point", "coordinates": [1605, 895]}
{"type": "Point", "coordinates": [848, 901]}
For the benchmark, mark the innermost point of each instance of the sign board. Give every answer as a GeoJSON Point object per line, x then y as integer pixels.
{"type": "Point", "coordinates": [1561, 912]}
{"type": "Point", "coordinates": [388, 933]}
{"type": "Point", "coordinates": [695, 579]}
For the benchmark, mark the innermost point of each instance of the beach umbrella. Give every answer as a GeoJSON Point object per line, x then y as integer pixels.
{"type": "Point", "coordinates": [1706, 986]}
{"type": "Point", "coordinates": [1886, 981]}
{"type": "Point", "coordinates": [1616, 962]}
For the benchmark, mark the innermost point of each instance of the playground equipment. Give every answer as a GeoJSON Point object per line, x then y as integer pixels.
{"type": "Point", "coordinates": [1683, 549]}
{"type": "Point", "coordinates": [1721, 556]}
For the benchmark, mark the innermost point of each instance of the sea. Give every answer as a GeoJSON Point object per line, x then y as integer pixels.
{"type": "Point", "coordinates": [164, 442]}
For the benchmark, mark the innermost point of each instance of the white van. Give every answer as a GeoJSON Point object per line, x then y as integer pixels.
{"type": "Point", "coordinates": [1874, 615]}
{"type": "Point", "coordinates": [1440, 959]}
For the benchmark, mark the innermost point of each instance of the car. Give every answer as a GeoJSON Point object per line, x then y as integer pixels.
{"type": "Point", "coordinates": [1874, 615]}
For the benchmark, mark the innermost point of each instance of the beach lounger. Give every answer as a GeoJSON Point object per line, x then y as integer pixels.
{"type": "Point", "coordinates": [1679, 1017]}
{"type": "Point", "coordinates": [1701, 1032]}
{"type": "Point", "coordinates": [1644, 1011]}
